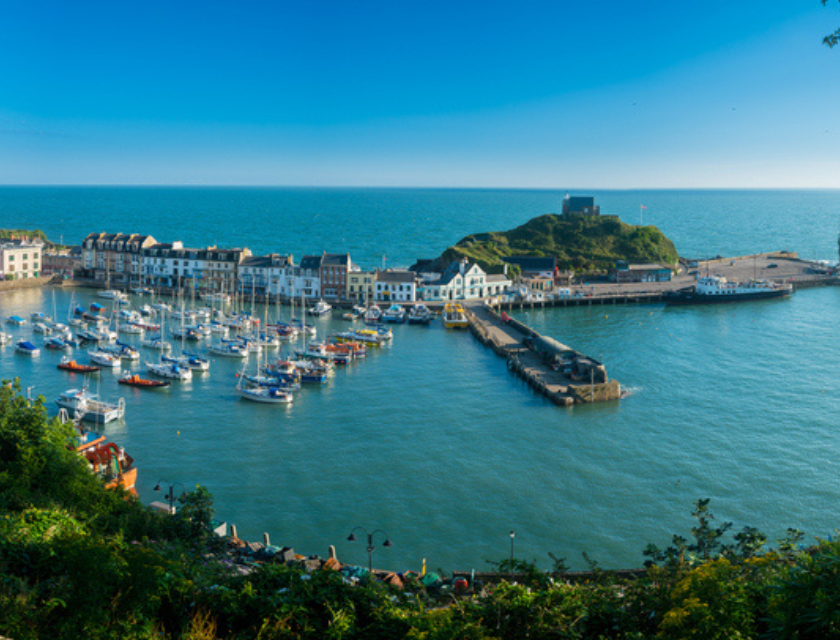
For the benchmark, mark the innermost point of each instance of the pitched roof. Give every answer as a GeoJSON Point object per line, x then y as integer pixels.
{"type": "Point", "coordinates": [335, 260]}
{"type": "Point", "coordinates": [310, 262]}
{"type": "Point", "coordinates": [398, 277]}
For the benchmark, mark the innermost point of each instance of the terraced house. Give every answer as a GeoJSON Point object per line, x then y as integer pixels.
{"type": "Point", "coordinates": [114, 259]}
{"type": "Point", "coordinates": [208, 270]}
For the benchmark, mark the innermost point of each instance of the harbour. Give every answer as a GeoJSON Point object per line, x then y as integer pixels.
{"type": "Point", "coordinates": [435, 441]}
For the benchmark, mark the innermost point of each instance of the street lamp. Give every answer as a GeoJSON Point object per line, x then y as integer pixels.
{"type": "Point", "coordinates": [512, 536]}
{"type": "Point", "coordinates": [171, 495]}
{"type": "Point", "coordinates": [370, 547]}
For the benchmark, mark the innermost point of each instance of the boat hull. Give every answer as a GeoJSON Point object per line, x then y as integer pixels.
{"type": "Point", "coordinates": [681, 298]}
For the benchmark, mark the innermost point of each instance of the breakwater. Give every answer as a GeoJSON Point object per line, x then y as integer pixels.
{"type": "Point", "coordinates": [558, 372]}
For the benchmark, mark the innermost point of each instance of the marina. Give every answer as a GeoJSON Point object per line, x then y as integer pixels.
{"type": "Point", "coordinates": [433, 426]}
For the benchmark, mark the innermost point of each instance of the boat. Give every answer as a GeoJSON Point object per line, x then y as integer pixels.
{"type": "Point", "coordinates": [717, 289]}
{"type": "Point", "coordinates": [134, 380]}
{"type": "Point", "coordinates": [142, 291]}
{"type": "Point", "coordinates": [56, 344]}
{"type": "Point", "coordinates": [172, 370]}
{"type": "Point", "coordinates": [394, 313]}
{"type": "Point", "coordinates": [130, 328]}
{"type": "Point", "coordinates": [40, 327]}
{"type": "Point", "coordinates": [39, 316]}
{"type": "Point", "coordinates": [123, 351]}
{"type": "Point", "coordinates": [420, 314]}
{"type": "Point", "coordinates": [269, 395]}
{"type": "Point", "coordinates": [16, 320]}
{"type": "Point", "coordinates": [5, 338]}
{"type": "Point", "coordinates": [27, 348]}
{"type": "Point", "coordinates": [373, 315]}
{"type": "Point", "coordinates": [68, 364]}
{"type": "Point", "coordinates": [454, 316]}
{"type": "Point", "coordinates": [229, 349]}
{"type": "Point", "coordinates": [113, 294]}
{"type": "Point", "coordinates": [189, 360]}
{"type": "Point", "coordinates": [321, 308]}
{"type": "Point", "coordinates": [87, 406]}
{"type": "Point", "coordinates": [108, 461]}
{"type": "Point", "coordinates": [105, 359]}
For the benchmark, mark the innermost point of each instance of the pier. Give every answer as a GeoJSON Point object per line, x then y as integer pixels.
{"type": "Point", "coordinates": [558, 372]}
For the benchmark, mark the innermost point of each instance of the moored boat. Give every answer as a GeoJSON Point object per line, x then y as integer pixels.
{"type": "Point", "coordinates": [87, 406]}
{"type": "Point", "coordinates": [717, 289]}
{"type": "Point", "coordinates": [394, 313]}
{"type": "Point", "coordinates": [27, 348]}
{"type": "Point", "coordinates": [134, 380]}
{"type": "Point", "coordinates": [321, 308]}
{"type": "Point", "coordinates": [419, 314]}
{"type": "Point", "coordinates": [454, 316]}
{"type": "Point", "coordinates": [68, 364]}
{"type": "Point", "coordinates": [172, 370]}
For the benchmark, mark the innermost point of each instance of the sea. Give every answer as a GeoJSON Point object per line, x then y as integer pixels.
{"type": "Point", "coordinates": [431, 442]}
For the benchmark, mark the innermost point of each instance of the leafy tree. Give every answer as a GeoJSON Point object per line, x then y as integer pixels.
{"type": "Point", "coordinates": [831, 39]}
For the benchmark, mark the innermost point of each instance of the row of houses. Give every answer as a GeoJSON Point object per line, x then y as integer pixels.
{"type": "Point", "coordinates": [136, 260]}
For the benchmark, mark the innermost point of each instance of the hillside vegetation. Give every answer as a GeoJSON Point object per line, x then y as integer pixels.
{"type": "Point", "coordinates": [580, 243]}
{"type": "Point", "coordinates": [78, 561]}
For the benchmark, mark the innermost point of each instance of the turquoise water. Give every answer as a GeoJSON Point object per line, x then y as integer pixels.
{"type": "Point", "coordinates": [434, 441]}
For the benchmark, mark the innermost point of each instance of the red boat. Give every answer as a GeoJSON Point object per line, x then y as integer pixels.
{"type": "Point", "coordinates": [143, 383]}
{"type": "Point", "coordinates": [72, 365]}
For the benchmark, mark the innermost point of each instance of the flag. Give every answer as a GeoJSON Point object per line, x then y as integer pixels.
{"type": "Point", "coordinates": [644, 207]}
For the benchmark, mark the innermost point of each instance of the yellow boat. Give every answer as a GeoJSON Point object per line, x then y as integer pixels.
{"type": "Point", "coordinates": [454, 316]}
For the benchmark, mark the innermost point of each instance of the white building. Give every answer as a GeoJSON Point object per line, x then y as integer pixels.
{"type": "Point", "coordinates": [463, 280]}
{"type": "Point", "coordinates": [19, 259]}
{"type": "Point", "coordinates": [172, 265]}
{"type": "Point", "coordinates": [307, 280]}
{"type": "Point", "coordinates": [272, 275]}
{"type": "Point", "coordinates": [396, 285]}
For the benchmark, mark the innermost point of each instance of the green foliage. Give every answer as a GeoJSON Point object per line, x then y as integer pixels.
{"type": "Point", "coordinates": [587, 243]}
{"type": "Point", "coordinates": [832, 39]}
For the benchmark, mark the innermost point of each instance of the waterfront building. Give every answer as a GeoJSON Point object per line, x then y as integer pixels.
{"type": "Point", "coordinates": [115, 258]}
{"type": "Point", "coordinates": [20, 258]}
{"type": "Point", "coordinates": [333, 272]}
{"type": "Point", "coordinates": [580, 205]}
{"type": "Point", "coordinates": [171, 265]}
{"type": "Point", "coordinates": [361, 285]}
{"type": "Point", "coordinates": [271, 275]}
{"type": "Point", "coordinates": [307, 277]}
{"type": "Point", "coordinates": [64, 262]}
{"type": "Point", "coordinates": [464, 280]}
{"type": "Point", "coordinates": [531, 266]}
{"type": "Point", "coordinates": [625, 272]}
{"type": "Point", "coordinates": [396, 285]}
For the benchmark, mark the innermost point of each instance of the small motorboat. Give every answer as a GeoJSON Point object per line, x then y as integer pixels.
{"type": "Point", "coordinates": [27, 348]}
{"type": "Point", "coordinates": [68, 364]}
{"type": "Point", "coordinates": [134, 380]}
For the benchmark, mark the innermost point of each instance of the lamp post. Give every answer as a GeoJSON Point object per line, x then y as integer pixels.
{"type": "Point", "coordinates": [512, 536]}
{"type": "Point", "coordinates": [370, 546]}
{"type": "Point", "coordinates": [171, 495]}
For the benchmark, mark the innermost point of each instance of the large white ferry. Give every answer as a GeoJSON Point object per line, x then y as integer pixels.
{"type": "Point", "coordinates": [717, 289]}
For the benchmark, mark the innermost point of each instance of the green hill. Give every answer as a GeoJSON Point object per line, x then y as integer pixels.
{"type": "Point", "coordinates": [581, 243]}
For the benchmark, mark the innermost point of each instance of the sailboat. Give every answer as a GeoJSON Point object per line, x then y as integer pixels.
{"type": "Point", "coordinates": [269, 395]}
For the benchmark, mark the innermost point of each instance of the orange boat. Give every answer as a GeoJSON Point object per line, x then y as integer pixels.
{"type": "Point", "coordinates": [136, 381]}
{"type": "Point", "coordinates": [111, 463]}
{"type": "Point", "coordinates": [72, 365]}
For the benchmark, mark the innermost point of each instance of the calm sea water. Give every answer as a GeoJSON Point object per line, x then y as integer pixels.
{"type": "Point", "coordinates": [432, 440]}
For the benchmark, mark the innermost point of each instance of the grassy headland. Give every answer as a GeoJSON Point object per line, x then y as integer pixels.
{"type": "Point", "coordinates": [580, 243]}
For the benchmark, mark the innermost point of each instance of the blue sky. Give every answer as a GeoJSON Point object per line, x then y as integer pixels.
{"type": "Point", "coordinates": [473, 94]}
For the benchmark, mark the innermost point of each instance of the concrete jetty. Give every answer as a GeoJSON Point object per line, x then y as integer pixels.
{"type": "Point", "coordinates": [558, 372]}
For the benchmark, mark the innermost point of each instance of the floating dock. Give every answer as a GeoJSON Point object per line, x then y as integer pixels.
{"type": "Point", "coordinates": [558, 372]}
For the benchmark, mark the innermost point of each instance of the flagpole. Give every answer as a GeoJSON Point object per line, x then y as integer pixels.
{"type": "Point", "coordinates": [641, 215]}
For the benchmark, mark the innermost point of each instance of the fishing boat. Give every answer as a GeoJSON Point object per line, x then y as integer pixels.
{"type": "Point", "coordinates": [717, 289]}
{"type": "Point", "coordinates": [172, 370]}
{"type": "Point", "coordinates": [68, 364]}
{"type": "Point", "coordinates": [454, 316]}
{"type": "Point", "coordinates": [394, 313]}
{"type": "Point", "coordinates": [105, 359]}
{"type": "Point", "coordinates": [420, 314]}
{"type": "Point", "coordinates": [134, 380]}
{"type": "Point", "coordinates": [89, 407]}
{"type": "Point", "coordinates": [27, 348]}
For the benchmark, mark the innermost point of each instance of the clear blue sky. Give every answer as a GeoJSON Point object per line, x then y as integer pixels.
{"type": "Point", "coordinates": [497, 94]}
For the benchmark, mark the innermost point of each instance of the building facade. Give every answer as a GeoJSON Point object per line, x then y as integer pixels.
{"type": "Point", "coordinates": [361, 285]}
{"type": "Point", "coordinates": [115, 259]}
{"type": "Point", "coordinates": [210, 270]}
{"type": "Point", "coordinates": [271, 275]}
{"type": "Point", "coordinates": [396, 285]}
{"type": "Point", "coordinates": [640, 273]}
{"type": "Point", "coordinates": [333, 272]}
{"type": "Point", "coordinates": [62, 262]}
{"type": "Point", "coordinates": [580, 205]}
{"type": "Point", "coordinates": [464, 280]}
{"type": "Point", "coordinates": [20, 259]}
